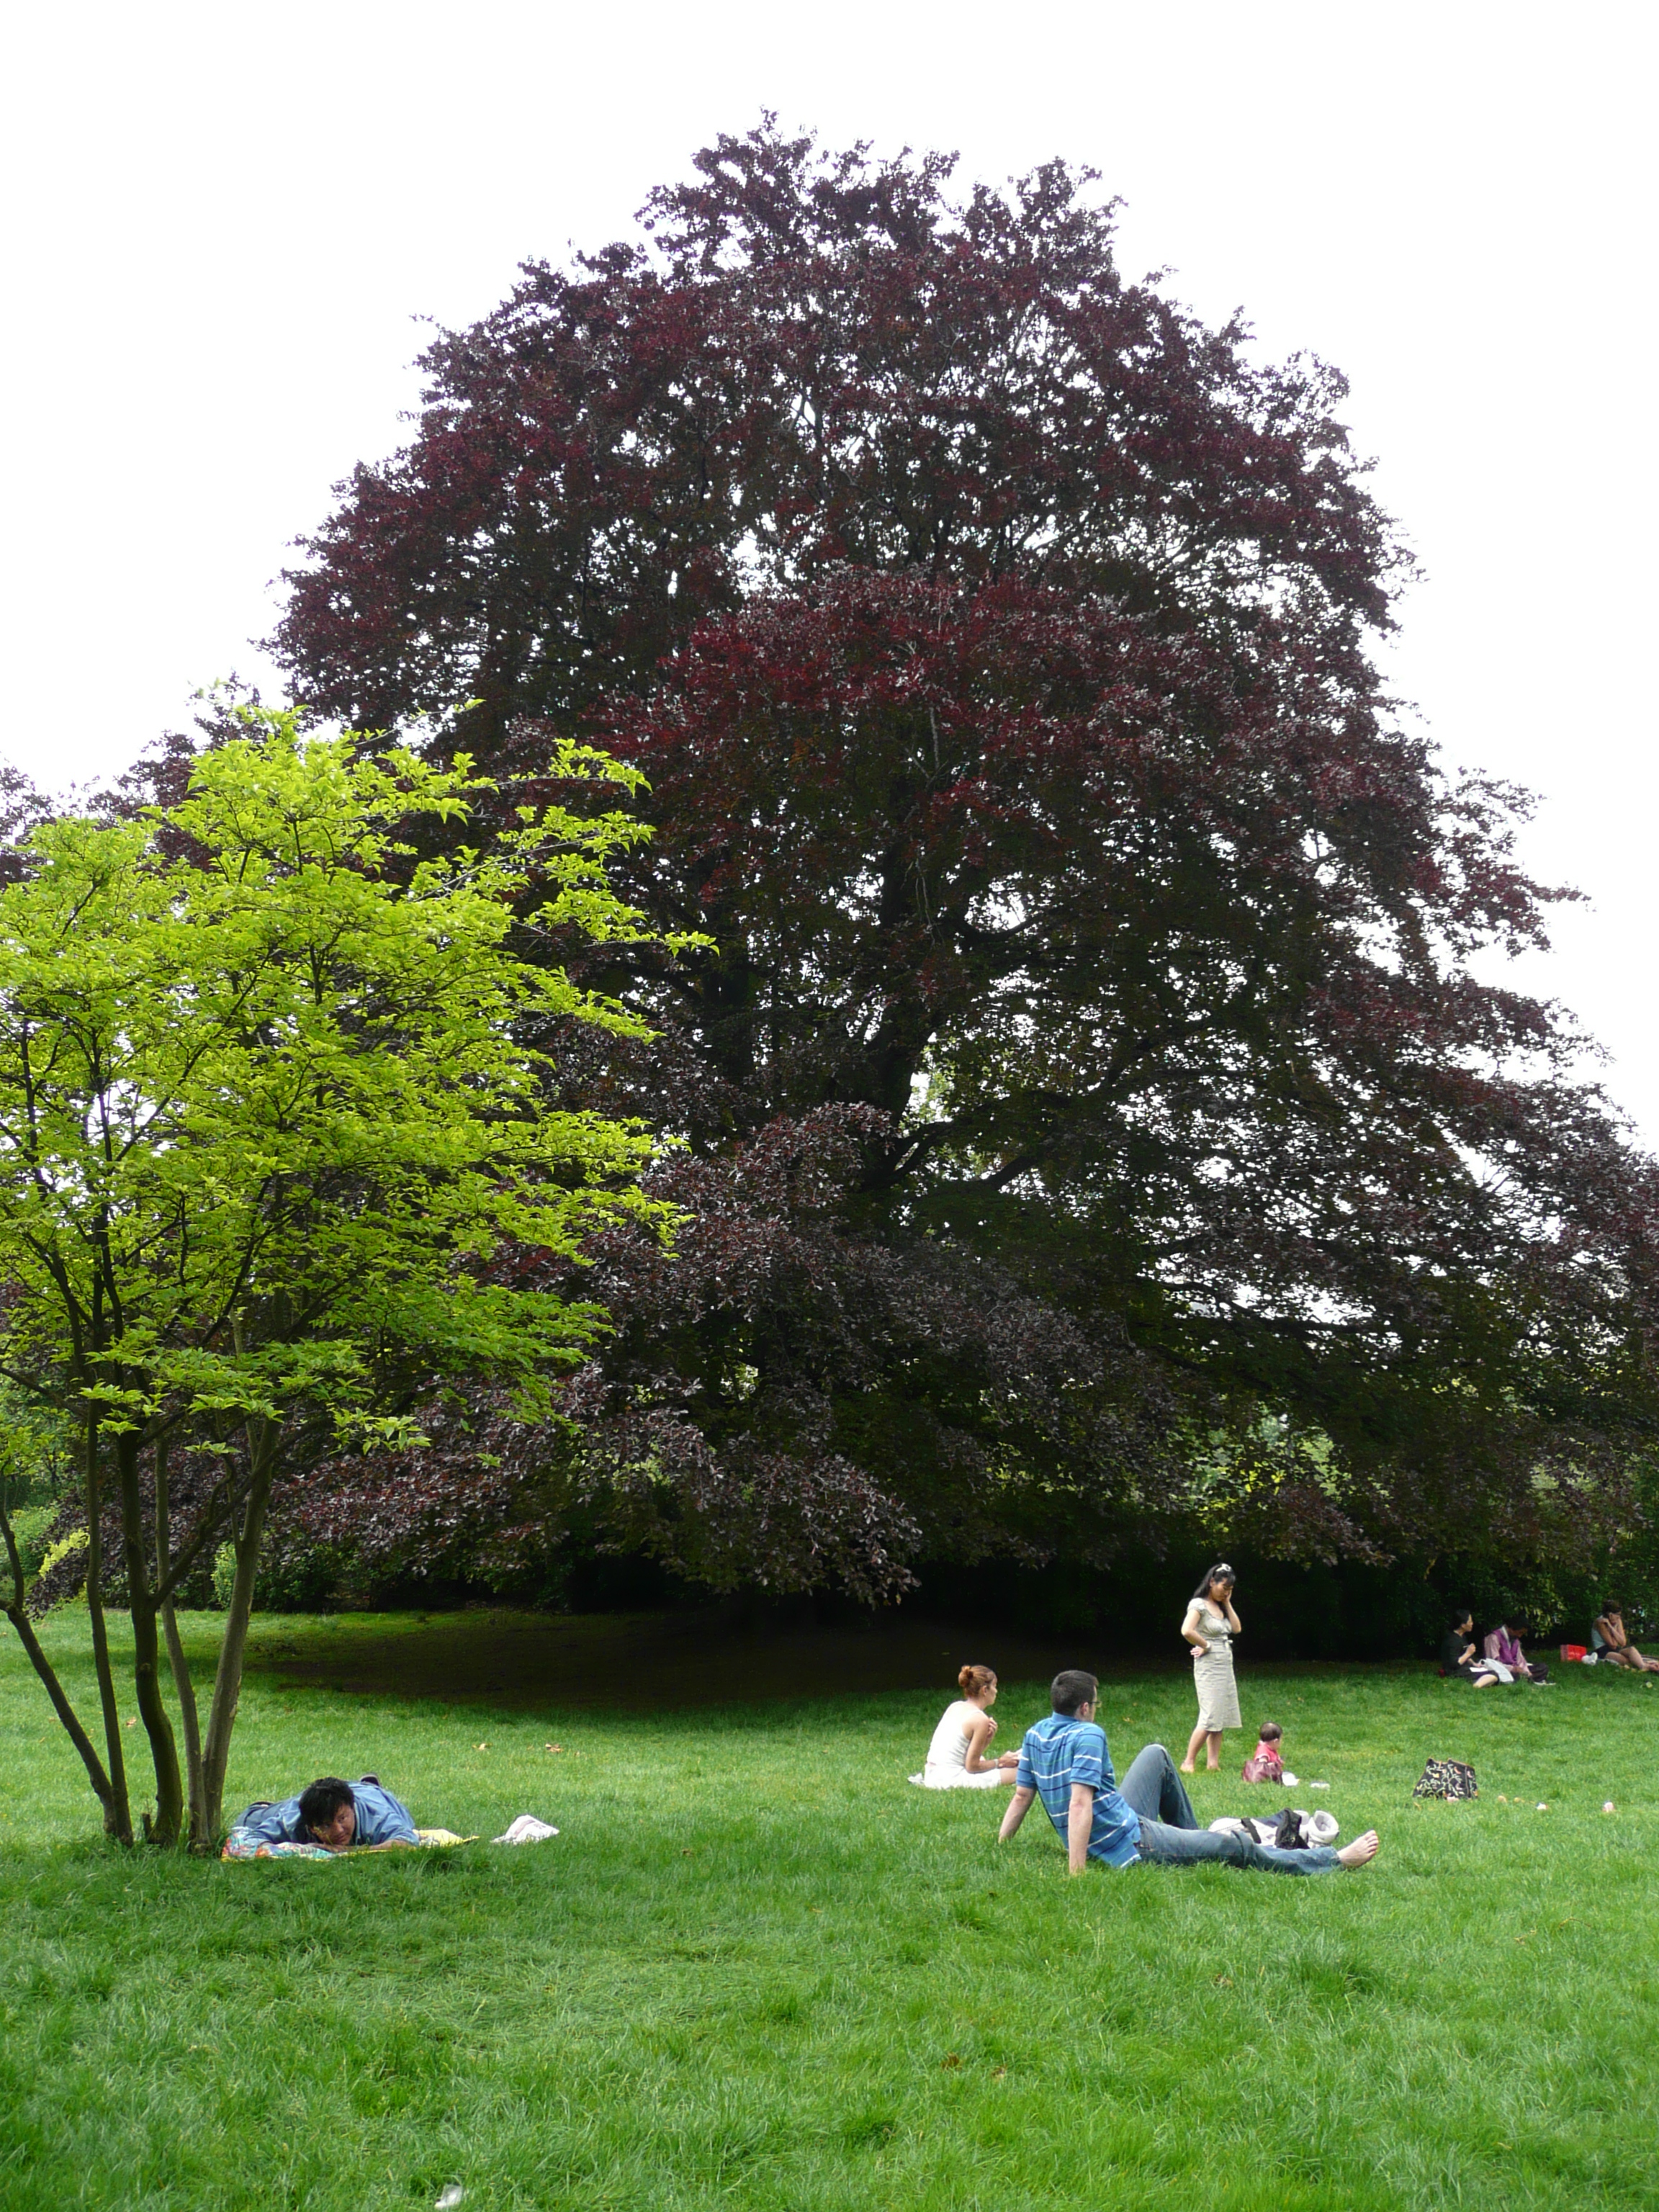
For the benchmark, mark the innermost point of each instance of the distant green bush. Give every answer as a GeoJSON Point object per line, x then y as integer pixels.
{"type": "Point", "coordinates": [287, 1582]}
{"type": "Point", "coordinates": [29, 1525]}
{"type": "Point", "coordinates": [51, 1553]}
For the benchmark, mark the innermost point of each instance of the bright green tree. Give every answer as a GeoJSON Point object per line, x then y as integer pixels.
{"type": "Point", "coordinates": [268, 1110]}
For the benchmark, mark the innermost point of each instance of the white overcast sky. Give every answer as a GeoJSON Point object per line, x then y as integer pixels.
{"type": "Point", "coordinates": [221, 223]}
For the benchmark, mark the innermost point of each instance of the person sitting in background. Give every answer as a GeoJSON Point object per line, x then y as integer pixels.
{"type": "Point", "coordinates": [1266, 1762]}
{"type": "Point", "coordinates": [1616, 1648]}
{"type": "Point", "coordinates": [1503, 1648]}
{"type": "Point", "coordinates": [956, 1757]}
{"type": "Point", "coordinates": [1457, 1654]}
{"type": "Point", "coordinates": [340, 1816]}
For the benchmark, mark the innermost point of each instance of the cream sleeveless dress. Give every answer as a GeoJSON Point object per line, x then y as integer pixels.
{"type": "Point", "coordinates": [1213, 1672]}
{"type": "Point", "coordinates": [947, 1754]}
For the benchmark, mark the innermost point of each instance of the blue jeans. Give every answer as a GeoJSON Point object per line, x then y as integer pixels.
{"type": "Point", "coordinates": [1170, 1835]}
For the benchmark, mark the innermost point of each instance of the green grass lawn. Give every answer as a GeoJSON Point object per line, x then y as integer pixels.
{"type": "Point", "coordinates": [758, 1970]}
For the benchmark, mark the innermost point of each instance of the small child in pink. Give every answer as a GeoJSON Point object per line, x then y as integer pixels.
{"type": "Point", "coordinates": [1266, 1762]}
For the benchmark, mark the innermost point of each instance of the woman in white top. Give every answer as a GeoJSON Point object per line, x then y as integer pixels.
{"type": "Point", "coordinates": [1210, 1627]}
{"type": "Point", "coordinates": [956, 1757]}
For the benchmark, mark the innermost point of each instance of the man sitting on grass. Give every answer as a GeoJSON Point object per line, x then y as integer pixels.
{"type": "Point", "coordinates": [341, 1815]}
{"type": "Point", "coordinates": [1064, 1761]}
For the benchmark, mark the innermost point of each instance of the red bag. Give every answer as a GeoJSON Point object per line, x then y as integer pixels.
{"type": "Point", "coordinates": [1263, 1770]}
{"type": "Point", "coordinates": [1570, 1651]}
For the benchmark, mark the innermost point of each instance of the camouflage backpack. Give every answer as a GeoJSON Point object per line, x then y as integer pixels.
{"type": "Point", "coordinates": [1447, 1777]}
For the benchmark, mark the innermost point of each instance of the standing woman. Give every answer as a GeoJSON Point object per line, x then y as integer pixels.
{"type": "Point", "coordinates": [1210, 1627]}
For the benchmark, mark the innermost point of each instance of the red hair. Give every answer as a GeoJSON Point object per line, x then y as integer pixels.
{"type": "Point", "coordinates": [973, 1682]}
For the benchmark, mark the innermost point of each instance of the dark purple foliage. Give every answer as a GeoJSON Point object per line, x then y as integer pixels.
{"type": "Point", "coordinates": [1090, 1116]}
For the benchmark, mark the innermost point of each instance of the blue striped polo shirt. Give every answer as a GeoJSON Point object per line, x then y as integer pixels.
{"type": "Point", "coordinates": [1061, 1750]}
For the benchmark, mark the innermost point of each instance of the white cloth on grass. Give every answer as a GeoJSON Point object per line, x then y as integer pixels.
{"type": "Point", "coordinates": [527, 1829]}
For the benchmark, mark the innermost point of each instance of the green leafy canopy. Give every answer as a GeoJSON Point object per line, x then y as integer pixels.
{"type": "Point", "coordinates": [268, 1110]}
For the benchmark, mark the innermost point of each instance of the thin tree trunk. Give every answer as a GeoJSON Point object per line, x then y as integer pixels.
{"type": "Point", "coordinates": [42, 1666]}
{"type": "Point", "coordinates": [263, 1437]}
{"type": "Point", "coordinates": [118, 1810]}
{"type": "Point", "coordinates": [147, 1651]}
{"type": "Point", "coordinates": [184, 1687]}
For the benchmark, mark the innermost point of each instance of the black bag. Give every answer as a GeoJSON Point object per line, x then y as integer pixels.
{"type": "Point", "coordinates": [1447, 1777]}
{"type": "Point", "coordinates": [1282, 1830]}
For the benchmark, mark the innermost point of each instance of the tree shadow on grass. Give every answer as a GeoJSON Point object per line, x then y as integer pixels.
{"type": "Point", "coordinates": [629, 1662]}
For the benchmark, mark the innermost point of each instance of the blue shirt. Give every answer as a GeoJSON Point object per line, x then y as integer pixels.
{"type": "Point", "coordinates": [1061, 1750]}
{"type": "Point", "coordinates": [381, 1819]}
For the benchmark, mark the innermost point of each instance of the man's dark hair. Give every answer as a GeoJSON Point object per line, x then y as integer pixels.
{"type": "Point", "coordinates": [323, 1799]}
{"type": "Point", "coordinates": [1461, 1619]}
{"type": "Point", "coordinates": [1071, 1688]}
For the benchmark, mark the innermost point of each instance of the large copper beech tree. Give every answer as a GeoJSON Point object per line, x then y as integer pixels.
{"type": "Point", "coordinates": [1092, 1112]}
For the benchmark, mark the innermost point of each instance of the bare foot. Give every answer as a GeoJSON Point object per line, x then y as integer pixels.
{"type": "Point", "coordinates": [1187, 1767]}
{"type": "Point", "coordinates": [1362, 1849]}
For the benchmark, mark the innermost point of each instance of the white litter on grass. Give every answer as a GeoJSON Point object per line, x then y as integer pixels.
{"type": "Point", "coordinates": [452, 2195]}
{"type": "Point", "coordinates": [1319, 1785]}
{"type": "Point", "coordinates": [1290, 1780]}
{"type": "Point", "coordinates": [1609, 1806]}
{"type": "Point", "coordinates": [1542, 1807]}
{"type": "Point", "coordinates": [527, 1829]}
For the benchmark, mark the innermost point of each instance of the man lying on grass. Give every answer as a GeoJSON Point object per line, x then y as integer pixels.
{"type": "Point", "coordinates": [1064, 1761]}
{"type": "Point", "coordinates": [341, 1815]}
